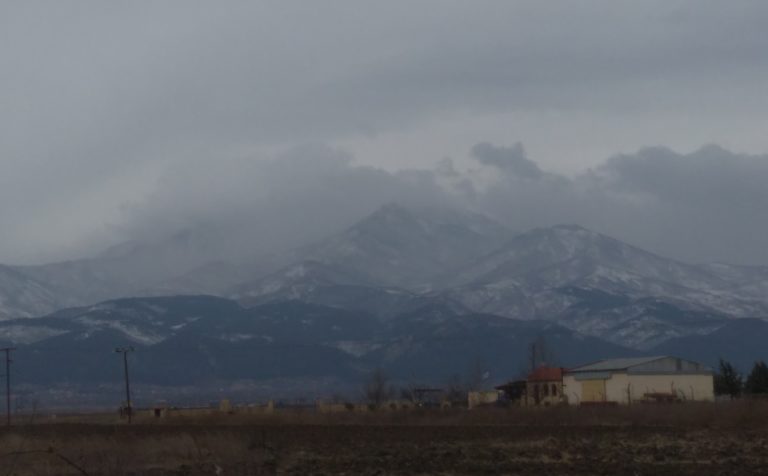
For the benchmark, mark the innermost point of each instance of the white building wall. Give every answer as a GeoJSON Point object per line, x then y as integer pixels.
{"type": "Point", "coordinates": [694, 387]}
{"type": "Point", "coordinates": [616, 388]}
{"type": "Point", "coordinates": [572, 389]}
{"type": "Point", "coordinates": [620, 387]}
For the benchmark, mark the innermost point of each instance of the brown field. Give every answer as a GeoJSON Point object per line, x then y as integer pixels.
{"type": "Point", "coordinates": [675, 439]}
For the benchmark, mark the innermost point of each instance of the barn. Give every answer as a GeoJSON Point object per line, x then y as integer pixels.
{"type": "Point", "coordinates": [641, 379]}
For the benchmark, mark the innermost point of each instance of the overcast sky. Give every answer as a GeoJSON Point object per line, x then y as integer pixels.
{"type": "Point", "coordinates": [130, 119]}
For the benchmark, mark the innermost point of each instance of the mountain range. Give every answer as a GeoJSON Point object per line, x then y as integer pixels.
{"type": "Point", "coordinates": [420, 292]}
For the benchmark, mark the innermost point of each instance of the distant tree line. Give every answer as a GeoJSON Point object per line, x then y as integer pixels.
{"type": "Point", "coordinates": [379, 389]}
{"type": "Point", "coordinates": [728, 380]}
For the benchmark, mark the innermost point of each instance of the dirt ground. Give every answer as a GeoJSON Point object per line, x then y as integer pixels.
{"type": "Point", "coordinates": [422, 446]}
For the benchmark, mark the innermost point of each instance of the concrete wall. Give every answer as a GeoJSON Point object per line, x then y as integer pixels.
{"type": "Point", "coordinates": [476, 399]}
{"type": "Point", "coordinates": [337, 407]}
{"type": "Point", "coordinates": [623, 388]}
{"type": "Point", "coordinates": [224, 407]}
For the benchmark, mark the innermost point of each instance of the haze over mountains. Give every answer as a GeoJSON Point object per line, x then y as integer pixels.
{"type": "Point", "coordinates": [419, 291]}
{"type": "Point", "coordinates": [286, 196]}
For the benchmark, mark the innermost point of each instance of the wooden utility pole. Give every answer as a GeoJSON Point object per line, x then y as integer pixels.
{"type": "Point", "coordinates": [8, 361]}
{"type": "Point", "coordinates": [129, 407]}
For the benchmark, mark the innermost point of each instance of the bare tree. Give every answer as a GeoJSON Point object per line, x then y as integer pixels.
{"type": "Point", "coordinates": [377, 389]}
{"type": "Point", "coordinates": [539, 354]}
{"type": "Point", "coordinates": [478, 374]}
{"type": "Point", "coordinates": [455, 390]}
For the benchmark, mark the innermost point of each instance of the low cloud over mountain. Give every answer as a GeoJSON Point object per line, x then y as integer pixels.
{"type": "Point", "coordinates": [708, 205]}
{"type": "Point", "coordinates": [705, 206]}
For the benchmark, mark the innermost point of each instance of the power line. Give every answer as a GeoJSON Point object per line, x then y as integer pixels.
{"type": "Point", "coordinates": [8, 361]}
{"type": "Point", "coordinates": [124, 351]}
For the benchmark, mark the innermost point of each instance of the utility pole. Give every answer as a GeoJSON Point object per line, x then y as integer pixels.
{"type": "Point", "coordinates": [129, 408]}
{"type": "Point", "coordinates": [8, 361]}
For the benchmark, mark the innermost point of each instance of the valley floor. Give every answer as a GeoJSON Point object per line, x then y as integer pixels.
{"type": "Point", "coordinates": [645, 440]}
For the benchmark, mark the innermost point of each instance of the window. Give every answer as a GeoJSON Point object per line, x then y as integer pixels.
{"type": "Point", "coordinates": [545, 387]}
{"type": "Point", "coordinates": [554, 390]}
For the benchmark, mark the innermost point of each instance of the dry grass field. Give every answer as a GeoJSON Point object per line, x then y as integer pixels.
{"type": "Point", "coordinates": [682, 439]}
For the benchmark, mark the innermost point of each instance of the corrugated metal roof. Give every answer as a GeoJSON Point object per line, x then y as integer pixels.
{"type": "Point", "coordinates": [616, 364]}
{"type": "Point", "coordinates": [592, 375]}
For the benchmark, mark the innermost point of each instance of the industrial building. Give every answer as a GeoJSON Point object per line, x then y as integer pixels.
{"type": "Point", "coordinates": [642, 379]}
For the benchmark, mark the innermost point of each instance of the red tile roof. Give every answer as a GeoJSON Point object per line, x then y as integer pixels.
{"type": "Point", "coordinates": [546, 374]}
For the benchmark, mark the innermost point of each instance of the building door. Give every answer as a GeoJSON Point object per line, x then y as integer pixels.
{"type": "Point", "coordinates": [593, 390]}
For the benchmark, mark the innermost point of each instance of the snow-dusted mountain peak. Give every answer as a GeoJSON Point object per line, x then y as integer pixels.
{"type": "Point", "coordinates": [409, 247]}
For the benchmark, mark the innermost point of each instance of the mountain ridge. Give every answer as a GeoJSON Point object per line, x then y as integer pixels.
{"type": "Point", "coordinates": [199, 340]}
{"type": "Point", "coordinates": [398, 260]}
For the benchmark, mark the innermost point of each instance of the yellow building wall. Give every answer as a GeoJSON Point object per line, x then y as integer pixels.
{"type": "Point", "coordinates": [593, 391]}
{"type": "Point", "coordinates": [572, 390]}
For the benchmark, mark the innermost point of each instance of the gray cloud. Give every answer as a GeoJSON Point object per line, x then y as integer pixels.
{"type": "Point", "coordinates": [708, 205]}
{"type": "Point", "coordinates": [512, 160]}
{"type": "Point", "coordinates": [702, 206]}
{"type": "Point", "coordinates": [138, 103]}
{"type": "Point", "coordinates": [244, 207]}
{"type": "Point", "coordinates": [710, 177]}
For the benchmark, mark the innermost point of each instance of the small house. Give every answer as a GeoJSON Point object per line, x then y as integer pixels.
{"type": "Point", "coordinates": [544, 386]}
